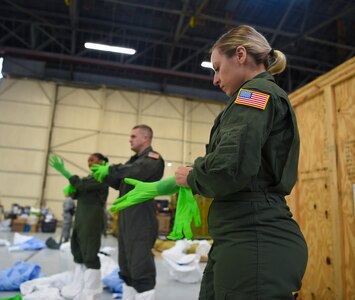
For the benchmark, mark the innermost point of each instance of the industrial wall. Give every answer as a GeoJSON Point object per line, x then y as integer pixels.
{"type": "Point", "coordinates": [323, 199]}
{"type": "Point", "coordinates": [38, 118]}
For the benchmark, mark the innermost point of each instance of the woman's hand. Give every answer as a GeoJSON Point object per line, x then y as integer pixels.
{"type": "Point", "coordinates": [181, 176]}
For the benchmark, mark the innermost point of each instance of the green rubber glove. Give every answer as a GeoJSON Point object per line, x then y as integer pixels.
{"type": "Point", "coordinates": [100, 171]}
{"type": "Point", "coordinates": [144, 191]}
{"type": "Point", "coordinates": [186, 210]}
{"type": "Point", "coordinates": [17, 297]}
{"type": "Point", "coordinates": [69, 190]}
{"type": "Point", "coordinates": [57, 163]}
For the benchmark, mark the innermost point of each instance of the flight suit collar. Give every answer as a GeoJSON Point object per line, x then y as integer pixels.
{"type": "Point", "coordinates": [146, 150]}
{"type": "Point", "coordinates": [264, 75]}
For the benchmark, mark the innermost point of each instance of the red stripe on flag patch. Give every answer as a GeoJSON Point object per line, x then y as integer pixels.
{"type": "Point", "coordinates": [252, 98]}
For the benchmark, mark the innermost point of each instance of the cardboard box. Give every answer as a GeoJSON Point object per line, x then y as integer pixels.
{"type": "Point", "coordinates": [18, 225]}
{"type": "Point", "coordinates": [31, 227]}
{"type": "Point", "coordinates": [164, 223]}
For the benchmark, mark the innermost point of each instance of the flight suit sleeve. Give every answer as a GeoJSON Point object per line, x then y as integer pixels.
{"type": "Point", "coordinates": [85, 184]}
{"type": "Point", "coordinates": [142, 169]}
{"type": "Point", "coordinates": [236, 154]}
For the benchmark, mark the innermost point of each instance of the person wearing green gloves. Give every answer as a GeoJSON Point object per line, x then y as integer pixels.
{"type": "Point", "coordinates": [250, 165]}
{"type": "Point", "coordinates": [138, 224]}
{"type": "Point", "coordinates": [187, 208]}
{"type": "Point", "coordinates": [88, 226]}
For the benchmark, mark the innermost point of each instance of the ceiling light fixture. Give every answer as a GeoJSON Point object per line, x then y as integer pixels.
{"type": "Point", "coordinates": [1, 62]}
{"type": "Point", "coordinates": [207, 64]}
{"type": "Point", "coordinates": [115, 49]}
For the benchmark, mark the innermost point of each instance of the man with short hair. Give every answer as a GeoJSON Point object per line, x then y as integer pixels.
{"type": "Point", "coordinates": [137, 224]}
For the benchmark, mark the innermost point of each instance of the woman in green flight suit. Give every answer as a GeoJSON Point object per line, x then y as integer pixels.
{"type": "Point", "coordinates": [250, 165]}
{"type": "Point", "coordinates": [88, 227]}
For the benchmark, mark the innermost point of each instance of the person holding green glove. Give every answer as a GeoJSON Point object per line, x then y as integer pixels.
{"type": "Point", "coordinates": [250, 165]}
{"type": "Point", "coordinates": [187, 208]}
{"type": "Point", "coordinates": [88, 226]}
{"type": "Point", "coordinates": [138, 224]}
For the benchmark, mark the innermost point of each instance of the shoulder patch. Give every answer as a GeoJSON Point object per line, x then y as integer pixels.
{"type": "Point", "coordinates": [153, 155]}
{"type": "Point", "coordinates": [252, 98]}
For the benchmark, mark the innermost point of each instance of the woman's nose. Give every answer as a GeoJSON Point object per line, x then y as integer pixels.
{"type": "Point", "coordinates": [216, 80]}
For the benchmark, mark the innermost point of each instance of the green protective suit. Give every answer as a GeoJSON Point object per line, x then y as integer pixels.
{"type": "Point", "coordinates": [250, 164]}
{"type": "Point", "coordinates": [89, 220]}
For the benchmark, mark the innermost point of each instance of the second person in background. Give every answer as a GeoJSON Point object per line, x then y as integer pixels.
{"type": "Point", "coordinates": [88, 226]}
{"type": "Point", "coordinates": [138, 224]}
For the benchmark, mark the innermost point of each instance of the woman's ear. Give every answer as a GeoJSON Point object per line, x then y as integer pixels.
{"type": "Point", "coordinates": [241, 54]}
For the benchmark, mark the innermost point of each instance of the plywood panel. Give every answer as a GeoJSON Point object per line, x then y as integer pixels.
{"type": "Point", "coordinates": [323, 198]}
{"type": "Point", "coordinates": [313, 198]}
{"type": "Point", "coordinates": [344, 95]}
{"type": "Point", "coordinates": [318, 236]}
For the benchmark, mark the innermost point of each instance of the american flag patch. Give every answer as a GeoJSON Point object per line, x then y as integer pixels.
{"type": "Point", "coordinates": [153, 155]}
{"type": "Point", "coordinates": [252, 98]}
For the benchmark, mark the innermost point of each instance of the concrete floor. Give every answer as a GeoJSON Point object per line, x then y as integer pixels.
{"type": "Point", "coordinates": [55, 261]}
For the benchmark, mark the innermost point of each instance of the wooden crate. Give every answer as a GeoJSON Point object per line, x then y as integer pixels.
{"type": "Point", "coordinates": [323, 198]}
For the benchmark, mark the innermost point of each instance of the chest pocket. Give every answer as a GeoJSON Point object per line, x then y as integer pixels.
{"type": "Point", "coordinates": [226, 156]}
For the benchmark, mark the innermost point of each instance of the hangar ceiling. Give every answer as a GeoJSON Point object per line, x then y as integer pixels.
{"type": "Point", "coordinates": [45, 40]}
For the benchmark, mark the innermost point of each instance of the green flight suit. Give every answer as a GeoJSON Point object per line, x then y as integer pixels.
{"type": "Point", "coordinates": [89, 220]}
{"type": "Point", "coordinates": [137, 224]}
{"type": "Point", "coordinates": [250, 164]}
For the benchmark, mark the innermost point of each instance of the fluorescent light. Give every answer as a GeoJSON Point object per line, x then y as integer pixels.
{"type": "Point", "coordinates": [110, 48]}
{"type": "Point", "coordinates": [206, 64]}
{"type": "Point", "coordinates": [1, 62]}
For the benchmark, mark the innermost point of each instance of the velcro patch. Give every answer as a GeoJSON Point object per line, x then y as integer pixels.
{"type": "Point", "coordinates": [153, 155]}
{"type": "Point", "coordinates": [252, 98]}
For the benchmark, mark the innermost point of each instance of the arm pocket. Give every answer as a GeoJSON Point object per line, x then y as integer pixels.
{"type": "Point", "coordinates": [226, 157]}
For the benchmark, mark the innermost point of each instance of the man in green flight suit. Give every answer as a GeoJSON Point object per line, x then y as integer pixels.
{"type": "Point", "coordinates": [138, 225]}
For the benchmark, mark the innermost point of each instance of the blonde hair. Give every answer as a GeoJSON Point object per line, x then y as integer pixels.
{"type": "Point", "coordinates": [256, 45]}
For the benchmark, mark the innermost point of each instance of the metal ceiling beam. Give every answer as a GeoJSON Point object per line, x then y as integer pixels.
{"type": "Point", "coordinates": [309, 60]}
{"type": "Point", "coordinates": [15, 35]}
{"type": "Point", "coordinates": [196, 13]}
{"type": "Point", "coordinates": [348, 10]}
{"type": "Point", "coordinates": [98, 62]}
{"type": "Point", "coordinates": [282, 21]}
{"type": "Point", "coordinates": [161, 40]}
{"type": "Point", "coordinates": [10, 32]}
{"type": "Point", "coordinates": [207, 17]}
{"type": "Point", "coordinates": [310, 70]}
{"type": "Point", "coordinates": [328, 43]}
{"type": "Point", "coordinates": [181, 63]}
{"type": "Point", "coordinates": [177, 31]}
{"type": "Point", "coordinates": [306, 34]}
